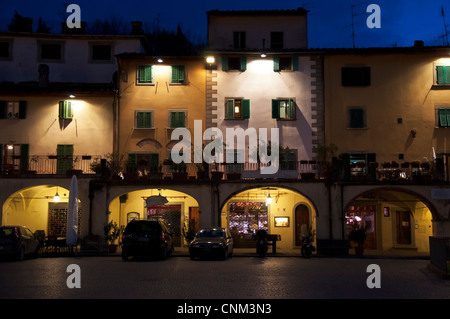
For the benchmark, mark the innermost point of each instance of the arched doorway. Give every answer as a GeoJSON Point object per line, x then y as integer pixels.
{"type": "Point", "coordinates": [281, 211]}
{"type": "Point", "coordinates": [395, 220]}
{"type": "Point", "coordinates": [41, 207]}
{"type": "Point", "coordinates": [179, 211]}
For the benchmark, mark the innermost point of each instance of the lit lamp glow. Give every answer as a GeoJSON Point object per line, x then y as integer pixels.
{"type": "Point", "coordinates": [268, 200]}
{"type": "Point", "coordinates": [210, 59]}
{"type": "Point", "coordinates": [56, 198]}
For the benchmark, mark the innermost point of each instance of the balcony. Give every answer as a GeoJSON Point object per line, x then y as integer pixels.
{"type": "Point", "coordinates": [39, 165]}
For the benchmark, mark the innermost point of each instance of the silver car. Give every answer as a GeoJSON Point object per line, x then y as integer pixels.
{"type": "Point", "coordinates": [209, 242]}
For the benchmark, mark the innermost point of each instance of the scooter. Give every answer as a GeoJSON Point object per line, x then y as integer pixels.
{"type": "Point", "coordinates": [261, 242]}
{"type": "Point", "coordinates": [307, 246]}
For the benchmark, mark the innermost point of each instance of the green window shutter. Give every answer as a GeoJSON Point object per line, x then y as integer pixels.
{"type": "Point", "coordinates": [224, 63]}
{"type": "Point", "coordinates": [22, 109]}
{"type": "Point", "coordinates": [131, 165]}
{"type": "Point", "coordinates": [356, 118]}
{"type": "Point", "coordinates": [145, 74]}
{"type": "Point", "coordinates": [2, 109]}
{"type": "Point", "coordinates": [444, 117]}
{"type": "Point", "coordinates": [447, 74]}
{"type": "Point", "coordinates": [69, 109]}
{"type": "Point", "coordinates": [139, 119]}
{"type": "Point", "coordinates": [291, 109]}
{"type": "Point", "coordinates": [229, 109]}
{"type": "Point", "coordinates": [24, 157]}
{"type": "Point", "coordinates": [154, 162]}
{"type": "Point", "coordinates": [177, 119]}
{"type": "Point", "coordinates": [275, 109]}
{"type": "Point", "coordinates": [246, 109]}
{"type": "Point", "coordinates": [61, 109]}
{"type": "Point", "coordinates": [440, 70]}
{"type": "Point", "coordinates": [178, 73]}
{"type": "Point", "coordinates": [295, 63]}
{"type": "Point", "coordinates": [243, 63]}
{"type": "Point", "coordinates": [65, 158]}
{"type": "Point", "coordinates": [148, 120]}
{"type": "Point", "coordinates": [346, 165]}
{"type": "Point", "coordinates": [276, 64]}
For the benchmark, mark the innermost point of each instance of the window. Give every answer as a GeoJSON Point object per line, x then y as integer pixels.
{"type": "Point", "coordinates": [288, 159]}
{"type": "Point", "coordinates": [237, 109]}
{"type": "Point", "coordinates": [285, 63]}
{"type": "Point", "coordinates": [283, 109]}
{"type": "Point", "coordinates": [143, 162]}
{"type": "Point", "coordinates": [443, 117]}
{"type": "Point", "coordinates": [5, 50]}
{"type": "Point", "coordinates": [66, 110]}
{"type": "Point", "coordinates": [356, 118]}
{"type": "Point", "coordinates": [177, 119]}
{"type": "Point", "coordinates": [143, 119]}
{"type": "Point", "coordinates": [239, 40]}
{"type": "Point", "coordinates": [13, 109]}
{"type": "Point", "coordinates": [15, 156]}
{"type": "Point", "coordinates": [234, 63]}
{"type": "Point", "coordinates": [101, 53]}
{"type": "Point", "coordinates": [276, 40]}
{"type": "Point", "coordinates": [144, 74]}
{"type": "Point", "coordinates": [65, 158]}
{"type": "Point", "coordinates": [355, 76]}
{"type": "Point", "coordinates": [51, 51]}
{"type": "Point", "coordinates": [178, 74]}
{"type": "Point", "coordinates": [442, 74]}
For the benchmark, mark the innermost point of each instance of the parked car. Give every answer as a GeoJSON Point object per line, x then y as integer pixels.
{"type": "Point", "coordinates": [18, 241]}
{"type": "Point", "coordinates": [147, 238]}
{"type": "Point", "coordinates": [211, 242]}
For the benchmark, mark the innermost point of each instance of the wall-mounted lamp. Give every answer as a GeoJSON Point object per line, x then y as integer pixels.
{"type": "Point", "coordinates": [268, 200]}
{"type": "Point", "coordinates": [56, 198]}
{"type": "Point", "coordinates": [210, 59]}
{"type": "Point", "coordinates": [413, 133]}
{"type": "Point", "coordinates": [72, 96]}
{"type": "Point", "coordinates": [160, 60]}
{"type": "Point", "coordinates": [263, 53]}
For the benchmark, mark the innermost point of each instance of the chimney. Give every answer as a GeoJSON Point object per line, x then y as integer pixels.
{"type": "Point", "coordinates": [136, 28]}
{"type": "Point", "coordinates": [418, 44]}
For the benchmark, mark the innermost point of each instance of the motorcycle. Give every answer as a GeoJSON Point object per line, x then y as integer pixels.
{"type": "Point", "coordinates": [261, 242]}
{"type": "Point", "coordinates": [307, 246]}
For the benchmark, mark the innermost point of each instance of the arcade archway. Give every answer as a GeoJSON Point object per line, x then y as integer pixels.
{"type": "Point", "coordinates": [281, 211]}
{"type": "Point", "coordinates": [395, 220]}
{"type": "Point", "coordinates": [179, 210]}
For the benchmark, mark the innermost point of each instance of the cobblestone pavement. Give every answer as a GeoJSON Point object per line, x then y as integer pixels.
{"type": "Point", "coordinates": [237, 278]}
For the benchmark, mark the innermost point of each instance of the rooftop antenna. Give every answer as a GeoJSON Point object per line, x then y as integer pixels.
{"type": "Point", "coordinates": [445, 36]}
{"type": "Point", "coordinates": [353, 22]}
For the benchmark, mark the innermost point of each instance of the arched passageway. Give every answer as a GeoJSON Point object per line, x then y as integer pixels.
{"type": "Point", "coordinates": [279, 210]}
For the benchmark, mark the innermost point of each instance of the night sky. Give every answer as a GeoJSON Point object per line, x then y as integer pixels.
{"type": "Point", "coordinates": [329, 21]}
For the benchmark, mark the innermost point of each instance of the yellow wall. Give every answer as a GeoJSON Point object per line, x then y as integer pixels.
{"type": "Point", "coordinates": [401, 87]}
{"type": "Point", "coordinates": [160, 97]}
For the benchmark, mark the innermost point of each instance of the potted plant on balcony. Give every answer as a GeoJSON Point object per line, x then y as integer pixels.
{"type": "Point", "coordinates": [358, 236]}
{"type": "Point", "coordinates": [112, 233]}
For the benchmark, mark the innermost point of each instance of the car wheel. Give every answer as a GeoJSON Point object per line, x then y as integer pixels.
{"type": "Point", "coordinates": [21, 254]}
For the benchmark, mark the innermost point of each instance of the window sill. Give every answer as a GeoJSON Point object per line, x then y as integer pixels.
{"type": "Point", "coordinates": [145, 128]}
{"type": "Point", "coordinates": [145, 84]}
{"type": "Point", "coordinates": [440, 87]}
{"type": "Point", "coordinates": [231, 119]}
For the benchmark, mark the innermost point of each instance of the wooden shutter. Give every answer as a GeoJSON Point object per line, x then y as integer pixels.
{"type": "Point", "coordinates": [65, 158]}
{"type": "Point", "coordinates": [229, 109]}
{"type": "Point", "coordinates": [444, 117]}
{"type": "Point", "coordinates": [154, 162]}
{"type": "Point", "coordinates": [291, 109]}
{"type": "Point", "coordinates": [275, 109]}
{"type": "Point", "coordinates": [131, 165]}
{"type": "Point", "coordinates": [24, 156]}
{"type": "Point", "coordinates": [177, 119]}
{"type": "Point", "coordinates": [178, 73]}
{"type": "Point", "coordinates": [295, 63]}
{"type": "Point", "coordinates": [3, 109]}
{"type": "Point", "coordinates": [246, 109]}
{"type": "Point", "coordinates": [440, 74]}
{"type": "Point", "coordinates": [447, 74]}
{"type": "Point", "coordinates": [22, 109]}
{"type": "Point", "coordinates": [145, 74]}
{"type": "Point", "coordinates": [243, 63]}
{"type": "Point", "coordinates": [224, 63]}
{"type": "Point", "coordinates": [276, 64]}
{"type": "Point", "coordinates": [356, 118]}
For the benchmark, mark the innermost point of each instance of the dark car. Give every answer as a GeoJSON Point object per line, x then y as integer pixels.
{"type": "Point", "coordinates": [18, 241]}
{"type": "Point", "coordinates": [147, 238]}
{"type": "Point", "coordinates": [211, 242]}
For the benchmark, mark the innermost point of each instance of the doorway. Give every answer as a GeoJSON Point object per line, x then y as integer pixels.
{"type": "Point", "coordinates": [403, 225]}
{"type": "Point", "coordinates": [301, 218]}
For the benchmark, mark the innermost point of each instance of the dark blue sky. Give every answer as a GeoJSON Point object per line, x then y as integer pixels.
{"type": "Point", "coordinates": [329, 21]}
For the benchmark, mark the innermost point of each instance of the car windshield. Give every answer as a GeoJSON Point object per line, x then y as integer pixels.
{"type": "Point", "coordinates": [211, 233]}
{"type": "Point", "coordinates": [143, 226]}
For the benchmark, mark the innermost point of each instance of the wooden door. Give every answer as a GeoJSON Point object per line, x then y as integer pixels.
{"type": "Point", "coordinates": [194, 218]}
{"type": "Point", "coordinates": [301, 217]}
{"type": "Point", "coordinates": [403, 220]}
